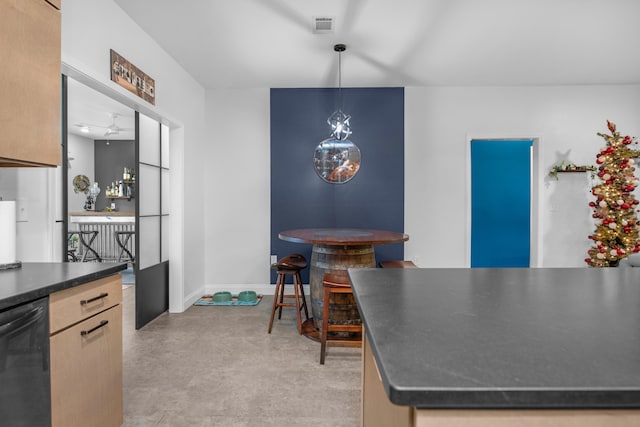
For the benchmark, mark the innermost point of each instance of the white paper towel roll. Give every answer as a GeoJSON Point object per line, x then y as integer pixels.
{"type": "Point", "coordinates": [7, 232]}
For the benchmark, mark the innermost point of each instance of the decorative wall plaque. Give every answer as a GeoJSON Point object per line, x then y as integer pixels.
{"type": "Point", "coordinates": [131, 78]}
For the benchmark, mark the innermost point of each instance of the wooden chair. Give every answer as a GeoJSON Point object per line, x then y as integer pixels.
{"type": "Point", "coordinates": [336, 283]}
{"type": "Point", "coordinates": [290, 265]}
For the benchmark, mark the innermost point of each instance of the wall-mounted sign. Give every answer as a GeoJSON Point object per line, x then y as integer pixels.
{"type": "Point", "coordinates": [131, 78]}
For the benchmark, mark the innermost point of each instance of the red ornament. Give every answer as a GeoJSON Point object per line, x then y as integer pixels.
{"type": "Point", "coordinates": [625, 206]}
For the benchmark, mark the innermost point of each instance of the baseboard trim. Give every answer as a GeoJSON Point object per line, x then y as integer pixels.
{"type": "Point", "coordinates": [193, 297]}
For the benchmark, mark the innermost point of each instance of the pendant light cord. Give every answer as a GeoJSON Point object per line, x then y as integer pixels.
{"type": "Point", "coordinates": [340, 48]}
{"type": "Point", "coordinates": [340, 78]}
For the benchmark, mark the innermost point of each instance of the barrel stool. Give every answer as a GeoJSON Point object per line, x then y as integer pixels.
{"type": "Point", "coordinates": [336, 283]}
{"type": "Point", "coordinates": [122, 239]}
{"type": "Point", "coordinates": [290, 265]}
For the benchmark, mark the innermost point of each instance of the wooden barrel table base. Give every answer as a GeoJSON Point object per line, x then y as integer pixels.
{"type": "Point", "coordinates": [335, 250]}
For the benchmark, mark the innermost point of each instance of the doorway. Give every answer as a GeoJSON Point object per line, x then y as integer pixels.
{"type": "Point", "coordinates": [134, 195]}
{"type": "Point", "coordinates": [501, 211]}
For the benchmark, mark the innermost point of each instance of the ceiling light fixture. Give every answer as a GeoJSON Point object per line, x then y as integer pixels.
{"type": "Point", "coordinates": [336, 159]}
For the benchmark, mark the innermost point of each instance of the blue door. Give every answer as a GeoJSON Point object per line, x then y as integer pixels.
{"type": "Point", "coordinates": [500, 203]}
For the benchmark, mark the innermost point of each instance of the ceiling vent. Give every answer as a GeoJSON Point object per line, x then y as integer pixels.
{"type": "Point", "coordinates": [322, 25]}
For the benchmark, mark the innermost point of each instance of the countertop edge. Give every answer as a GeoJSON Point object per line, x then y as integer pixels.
{"type": "Point", "coordinates": [49, 288]}
{"type": "Point", "coordinates": [487, 397]}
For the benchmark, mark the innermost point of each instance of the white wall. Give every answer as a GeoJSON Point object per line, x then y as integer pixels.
{"type": "Point", "coordinates": [34, 229]}
{"type": "Point", "coordinates": [82, 151]}
{"type": "Point", "coordinates": [89, 31]}
{"type": "Point", "coordinates": [438, 124]}
{"type": "Point", "coordinates": [221, 181]}
{"type": "Point", "coordinates": [237, 183]}
{"type": "Point", "coordinates": [439, 121]}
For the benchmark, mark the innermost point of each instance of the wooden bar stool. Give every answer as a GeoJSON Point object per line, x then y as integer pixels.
{"type": "Point", "coordinates": [336, 283]}
{"type": "Point", "coordinates": [290, 265]}
{"type": "Point", "coordinates": [397, 264]}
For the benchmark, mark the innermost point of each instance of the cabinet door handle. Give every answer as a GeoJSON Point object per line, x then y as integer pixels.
{"type": "Point", "coordinates": [102, 323]}
{"type": "Point", "coordinates": [87, 301]}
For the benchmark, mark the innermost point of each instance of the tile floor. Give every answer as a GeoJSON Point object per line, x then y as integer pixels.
{"type": "Point", "coordinates": [217, 366]}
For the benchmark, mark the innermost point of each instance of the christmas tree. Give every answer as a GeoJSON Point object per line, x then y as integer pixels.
{"type": "Point", "coordinates": [614, 209]}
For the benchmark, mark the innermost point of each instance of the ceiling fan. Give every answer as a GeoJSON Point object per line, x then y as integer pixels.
{"type": "Point", "coordinates": [112, 129]}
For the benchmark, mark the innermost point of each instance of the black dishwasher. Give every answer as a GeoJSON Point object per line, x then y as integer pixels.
{"type": "Point", "coordinates": [25, 385]}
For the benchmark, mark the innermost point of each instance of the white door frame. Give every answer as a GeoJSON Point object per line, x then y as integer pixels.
{"type": "Point", "coordinates": [176, 141]}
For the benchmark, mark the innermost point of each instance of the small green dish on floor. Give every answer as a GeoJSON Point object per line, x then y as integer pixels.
{"type": "Point", "coordinates": [222, 296]}
{"type": "Point", "coordinates": [247, 296]}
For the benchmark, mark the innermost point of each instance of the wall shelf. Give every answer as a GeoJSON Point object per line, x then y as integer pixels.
{"type": "Point", "coordinates": [571, 168]}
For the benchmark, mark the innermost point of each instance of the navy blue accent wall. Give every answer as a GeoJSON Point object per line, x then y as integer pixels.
{"type": "Point", "coordinates": [373, 199]}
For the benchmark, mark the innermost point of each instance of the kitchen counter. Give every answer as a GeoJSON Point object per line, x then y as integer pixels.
{"type": "Point", "coordinates": [504, 338]}
{"type": "Point", "coordinates": [36, 280]}
{"type": "Point", "coordinates": [102, 213]}
{"type": "Point", "coordinates": [114, 217]}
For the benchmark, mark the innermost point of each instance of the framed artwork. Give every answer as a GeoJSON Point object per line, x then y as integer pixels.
{"type": "Point", "coordinates": [132, 78]}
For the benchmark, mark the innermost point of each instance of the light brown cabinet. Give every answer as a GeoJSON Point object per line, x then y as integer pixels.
{"type": "Point", "coordinates": [86, 354]}
{"type": "Point", "coordinates": [30, 36]}
{"type": "Point", "coordinates": [377, 410]}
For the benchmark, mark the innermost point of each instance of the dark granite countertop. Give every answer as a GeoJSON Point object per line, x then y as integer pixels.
{"type": "Point", "coordinates": [504, 338]}
{"type": "Point", "coordinates": [37, 280]}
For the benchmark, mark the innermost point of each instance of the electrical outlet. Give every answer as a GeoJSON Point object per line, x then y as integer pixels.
{"type": "Point", "coordinates": [22, 214]}
{"type": "Point", "coordinates": [274, 259]}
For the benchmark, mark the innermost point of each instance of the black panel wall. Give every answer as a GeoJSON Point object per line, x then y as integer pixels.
{"type": "Point", "coordinates": [373, 199]}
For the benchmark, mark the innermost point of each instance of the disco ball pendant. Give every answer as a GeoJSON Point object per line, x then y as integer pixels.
{"type": "Point", "coordinates": [336, 161]}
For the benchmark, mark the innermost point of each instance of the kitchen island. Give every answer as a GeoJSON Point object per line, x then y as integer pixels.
{"type": "Point", "coordinates": [500, 347]}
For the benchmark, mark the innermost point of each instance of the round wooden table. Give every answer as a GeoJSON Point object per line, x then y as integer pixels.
{"type": "Point", "coordinates": [334, 250]}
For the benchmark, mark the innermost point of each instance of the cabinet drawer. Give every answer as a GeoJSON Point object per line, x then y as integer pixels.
{"type": "Point", "coordinates": [86, 372]}
{"type": "Point", "coordinates": [81, 302]}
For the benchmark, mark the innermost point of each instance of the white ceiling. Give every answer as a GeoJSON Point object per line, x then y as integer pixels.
{"type": "Point", "coordinates": [88, 108]}
{"type": "Point", "coordinates": [270, 43]}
